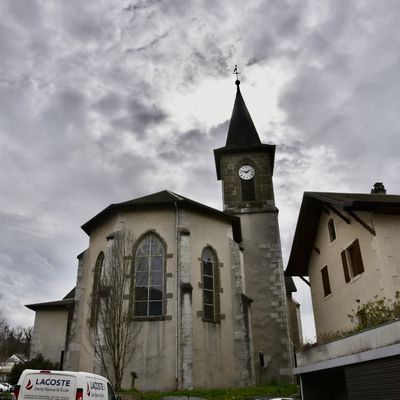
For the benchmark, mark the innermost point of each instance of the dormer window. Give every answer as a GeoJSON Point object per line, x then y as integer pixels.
{"type": "Point", "coordinates": [331, 230]}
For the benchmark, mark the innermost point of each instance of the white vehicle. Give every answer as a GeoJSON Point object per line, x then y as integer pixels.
{"type": "Point", "coordinates": [4, 387]}
{"type": "Point", "coordinates": [62, 385]}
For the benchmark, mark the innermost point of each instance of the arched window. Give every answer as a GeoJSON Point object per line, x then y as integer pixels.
{"type": "Point", "coordinates": [96, 286]}
{"type": "Point", "coordinates": [209, 272]}
{"type": "Point", "coordinates": [149, 278]}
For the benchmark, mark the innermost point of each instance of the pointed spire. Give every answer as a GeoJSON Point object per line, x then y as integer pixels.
{"type": "Point", "coordinates": [242, 132]}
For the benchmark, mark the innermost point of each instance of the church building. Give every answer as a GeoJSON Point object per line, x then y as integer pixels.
{"type": "Point", "coordinates": [206, 287]}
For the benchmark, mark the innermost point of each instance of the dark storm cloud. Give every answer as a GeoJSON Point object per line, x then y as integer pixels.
{"type": "Point", "coordinates": [148, 46]}
{"type": "Point", "coordinates": [345, 92]}
{"type": "Point", "coordinates": [139, 117]}
{"type": "Point", "coordinates": [140, 5]}
{"type": "Point", "coordinates": [26, 13]}
{"type": "Point", "coordinates": [25, 263]}
{"type": "Point", "coordinates": [109, 103]}
{"type": "Point", "coordinates": [179, 147]}
{"type": "Point", "coordinates": [193, 144]}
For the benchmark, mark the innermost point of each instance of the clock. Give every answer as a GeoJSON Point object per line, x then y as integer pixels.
{"type": "Point", "coordinates": [246, 172]}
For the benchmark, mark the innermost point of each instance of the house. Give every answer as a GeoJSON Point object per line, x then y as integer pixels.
{"type": "Point", "coordinates": [348, 246]}
{"type": "Point", "coordinates": [217, 314]}
{"type": "Point", "coordinates": [7, 365]}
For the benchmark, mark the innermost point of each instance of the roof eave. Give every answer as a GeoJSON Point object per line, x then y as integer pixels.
{"type": "Point", "coordinates": [51, 305]}
{"type": "Point", "coordinates": [304, 237]}
{"type": "Point", "coordinates": [182, 202]}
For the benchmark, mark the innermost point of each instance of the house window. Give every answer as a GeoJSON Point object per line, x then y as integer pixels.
{"type": "Point", "coordinates": [325, 281]}
{"type": "Point", "coordinates": [352, 261]}
{"type": "Point", "coordinates": [96, 288]}
{"type": "Point", "coordinates": [209, 272]}
{"type": "Point", "coordinates": [149, 277]}
{"type": "Point", "coordinates": [331, 230]}
{"type": "Point", "coordinates": [248, 190]}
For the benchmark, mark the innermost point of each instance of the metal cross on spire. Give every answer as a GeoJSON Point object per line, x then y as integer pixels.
{"type": "Point", "coordinates": [237, 73]}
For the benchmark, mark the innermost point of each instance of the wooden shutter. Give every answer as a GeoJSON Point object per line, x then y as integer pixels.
{"type": "Point", "coordinates": [345, 267]}
{"type": "Point", "coordinates": [356, 258]}
{"type": "Point", "coordinates": [331, 230]}
{"type": "Point", "coordinates": [325, 281]}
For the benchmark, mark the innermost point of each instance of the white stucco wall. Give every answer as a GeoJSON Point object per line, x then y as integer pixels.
{"type": "Point", "coordinates": [49, 334]}
{"type": "Point", "coordinates": [155, 360]}
{"type": "Point", "coordinates": [380, 255]}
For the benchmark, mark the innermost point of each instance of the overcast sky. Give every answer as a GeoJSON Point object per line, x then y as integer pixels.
{"type": "Point", "coordinates": [103, 101]}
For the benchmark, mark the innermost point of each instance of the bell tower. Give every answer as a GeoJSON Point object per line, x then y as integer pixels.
{"type": "Point", "coordinates": [245, 167]}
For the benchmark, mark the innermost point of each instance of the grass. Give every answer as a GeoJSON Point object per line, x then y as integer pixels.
{"type": "Point", "coordinates": [223, 394]}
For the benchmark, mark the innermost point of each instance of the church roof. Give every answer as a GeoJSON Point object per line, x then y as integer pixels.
{"type": "Point", "coordinates": [165, 199]}
{"type": "Point", "coordinates": [66, 302]}
{"type": "Point", "coordinates": [242, 134]}
{"type": "Point", "coordinates": [308, 221]}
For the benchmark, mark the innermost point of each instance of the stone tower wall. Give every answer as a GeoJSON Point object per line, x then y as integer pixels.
{"type": "Point", "coordinates": [265, 283]}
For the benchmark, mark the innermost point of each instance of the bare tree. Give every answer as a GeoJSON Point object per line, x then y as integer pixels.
{"type": "Point", "coordinates": [14, 340]}
{"type": "Point", "coordinates": [4, 332]}
{"type": "Point", "coordinates": [112, 332]}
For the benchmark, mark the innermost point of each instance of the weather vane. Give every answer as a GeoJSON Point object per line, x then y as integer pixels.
{"type": "Point", "coordinates": [236, 72]}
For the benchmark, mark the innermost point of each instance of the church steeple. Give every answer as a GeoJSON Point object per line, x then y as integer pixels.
{"type": "Point", "coordinates": [242, 132]}
{"type": "Point", "coordinates": [245, 167]}
{"type": "Point", "coordinates": [242, 136]}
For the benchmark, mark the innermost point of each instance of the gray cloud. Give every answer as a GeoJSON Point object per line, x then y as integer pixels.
{"type": "Point", "coordinates": [88, 97]}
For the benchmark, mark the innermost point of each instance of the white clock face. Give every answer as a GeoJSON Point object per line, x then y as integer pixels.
{"type": "Point", "coordinates": [246, 172]}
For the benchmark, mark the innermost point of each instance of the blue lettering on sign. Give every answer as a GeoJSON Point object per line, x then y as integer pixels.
{"type": "Point", "coordinates": [97, 385]}
{"type": "Point", "coordinates": [53, 382]}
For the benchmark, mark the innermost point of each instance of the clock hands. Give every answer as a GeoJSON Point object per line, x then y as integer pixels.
{"type": "Point", "coordinates": [246, 172]}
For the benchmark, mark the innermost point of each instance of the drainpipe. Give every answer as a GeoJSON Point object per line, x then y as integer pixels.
{"type": "Point", "coordinates": [177, 296]}
{"type": "Point", "coordinates": [301, 387]}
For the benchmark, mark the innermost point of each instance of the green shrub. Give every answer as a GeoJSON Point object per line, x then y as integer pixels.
{"type": "Point", "coordinates": [36, 363]}
{"type": "Point", "coordinates": [375, 312]}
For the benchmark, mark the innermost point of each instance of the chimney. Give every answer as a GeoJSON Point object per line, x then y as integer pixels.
{"type": "Point", "coordinates": [378, 188]}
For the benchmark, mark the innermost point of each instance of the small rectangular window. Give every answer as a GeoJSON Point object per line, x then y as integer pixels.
{"type": "Point", "coordinates": [331, 229]}
{"type": "Point", "coordinates": [325, 281]}
{"type": "Point", "coordinates": [352, 261]}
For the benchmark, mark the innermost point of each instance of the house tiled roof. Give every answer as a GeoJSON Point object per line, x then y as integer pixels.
{"type": "Point", "coordinates": [289, 284]}
{"type": "Point", "coordinates": [310, 211]}
{"type": "Point", "coordinates": [358, 200]}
